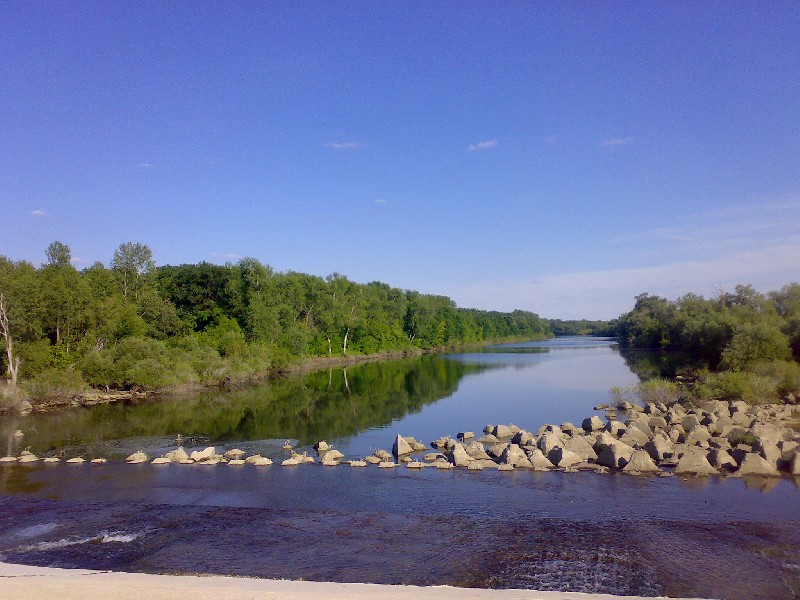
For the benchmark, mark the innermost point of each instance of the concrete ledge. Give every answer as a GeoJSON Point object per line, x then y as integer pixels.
{"type": "Point", "coordinates": [23, 582]}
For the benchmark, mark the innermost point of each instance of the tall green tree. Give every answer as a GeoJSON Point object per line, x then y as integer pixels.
{"type": "Point", "coordinates": [132, 262]}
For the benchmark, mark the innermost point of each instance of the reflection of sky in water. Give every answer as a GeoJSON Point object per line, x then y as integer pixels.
{"type": "Point", "coordinates": [563, 383]}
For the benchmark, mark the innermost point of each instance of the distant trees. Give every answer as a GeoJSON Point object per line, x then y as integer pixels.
{"type": "Point", "coordinates": [136, 324]}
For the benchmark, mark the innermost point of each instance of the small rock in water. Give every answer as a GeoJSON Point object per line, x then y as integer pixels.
{"type": "Point", "coordinates": [200, 455]}
{"type": "Point", "coordinates": [18, 434]}
{"type": "Point", "coordinates": [24, 458]}
{"type": "Point", "coordinates": [52, 459]}
{"type": "Point", "coordinates": [236, 461]}
{"type": "Point", "coordinates": [387, 465]}
{"type": "Point", "coordinates": [6, 459]}
{"type": "Point", "coordinates": [234, 454]}
{"type": "Point", "coordinates": [358, 463]}
{"type": "Point", "coordinates": [161, 460]}
{"type": "Point", "coordinates": [137, 457]}
{"type": "Point", "coordinates": [77, 460]}
{"type": "Point", "coordinates": [99, 461]}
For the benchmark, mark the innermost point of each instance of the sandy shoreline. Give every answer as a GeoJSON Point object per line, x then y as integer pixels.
{"type": "Point", "coordinates": [23, 582]}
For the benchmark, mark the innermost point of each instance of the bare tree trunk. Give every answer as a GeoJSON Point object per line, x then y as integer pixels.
{"type": "Point", "coordinates": [344, 345]}
{"type": "Point", "coordinates": [5, 332]}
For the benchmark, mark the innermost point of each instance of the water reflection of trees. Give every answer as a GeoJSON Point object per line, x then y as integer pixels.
{"type": "Point", "coordinates": [321, 405]}
{"type": "Point", "coordinates": [649, 364]}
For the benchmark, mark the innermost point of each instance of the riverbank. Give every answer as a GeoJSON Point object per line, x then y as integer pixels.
{"type": "Point", "coordinates": [24, 582]}
{"type": "Point", "coordinates": [9, 403]}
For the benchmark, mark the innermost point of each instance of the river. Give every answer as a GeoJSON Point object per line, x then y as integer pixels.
{"type": "Point", "coordinates": [611, 533]}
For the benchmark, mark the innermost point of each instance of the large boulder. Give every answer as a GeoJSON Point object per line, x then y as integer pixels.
{"type": "Point", "coordinates": [640, 462]}
{"type": "Point", "coordinates": [459, 457]}
{"type": "Point", "coordinates": [401, 447]}
{"type": "Point", "coordinates": [694, 461]}
{"type": "Point", "coordinates": [721, 459]}
{"type": "Point", "coordinates": [548, 441]}
{"type": "Point", "coordinates": [512, 455]}
{"type": "Point", "coordinates": [593, 423]}
{"type": "Point", "coordinates": [753, 464]}
{"type": "Point", "coordinates": [634, 437]}
{"type": "Point", "coordinates": [581, 447]}
{"type": "Point", "coordinates": [201, 455]}
{"type": "Point", "coordinates": [616, 456]}
{"type": "Point", "coordinates": [177, 455]}
{"type": "Point", "coordinates": [538, 460]}
{"type": "Point", "coordinates": [522, 438]}
{"type": "Point", "coordinates": [503, 431]}
{"type": "Point", "coordinates": [561, 457]}
{"type": "Point", "coordinates": [477, 451]}
{"type": "Point", "coordinates": [697, 436]}
{"type": "Point", "coordinates": [136, 457]}
{"type": "Point", "coordinates": [615, 428]}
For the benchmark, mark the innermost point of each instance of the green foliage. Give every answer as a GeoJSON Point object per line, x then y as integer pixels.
{"type": "Point", "coordinates": [52, 383]}
{"type": "Point", "coordinates": [737, 385]}
{"type": "Point", "coordinates": [136, 325]}
{"type": "Point", "coordinates": [754, 342]}
{"type": "Point", "coordinates": [650, 391]}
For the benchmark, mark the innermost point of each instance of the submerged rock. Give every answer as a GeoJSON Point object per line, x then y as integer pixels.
{"type": "Point", "coordinates": [137, 457]}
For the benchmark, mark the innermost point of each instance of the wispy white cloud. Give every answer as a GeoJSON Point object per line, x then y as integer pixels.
{"type": "Point", "coordinates": [145, 165]}
{"type": "Point", "coordinates": [754, 243]}
{"type": "Point", "coordinates": [482, 145]}
{"type": "Point", "coordinates": [38, 213]}
{"type": "Point", "coordinates": [343, 145]}
{"type": "Point", "coordinates": [382, 201]}
{"type": "Point", "coordinates": [551, 139]}
{"type": "Point", "coordinates": [616, 141]}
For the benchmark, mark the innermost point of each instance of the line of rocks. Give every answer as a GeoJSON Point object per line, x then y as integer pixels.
{"type": "Point", "coordinates": [716, 438]}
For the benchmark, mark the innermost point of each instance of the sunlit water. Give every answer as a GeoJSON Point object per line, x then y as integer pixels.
{"type": "Point", "coordinates": [613, 533]}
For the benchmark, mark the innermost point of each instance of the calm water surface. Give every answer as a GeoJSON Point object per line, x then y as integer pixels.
{"type": "Point", "coordinates": [712, 537]}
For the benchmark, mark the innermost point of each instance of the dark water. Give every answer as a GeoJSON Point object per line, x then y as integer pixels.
{"type": "Point", "coordinates": [722, 538]}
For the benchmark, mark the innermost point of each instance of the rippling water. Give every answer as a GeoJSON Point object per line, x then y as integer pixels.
{"type": "Point", "coordinates": [722, 538]}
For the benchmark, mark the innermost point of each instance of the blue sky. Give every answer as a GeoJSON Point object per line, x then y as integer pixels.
{"type": "Point", "coordinates": [559, 157]}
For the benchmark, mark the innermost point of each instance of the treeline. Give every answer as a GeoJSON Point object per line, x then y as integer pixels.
{"type": "Point", "coordinates": [580, 327]}
{"type": "Point", "coordinates": [135, 324]}
{"type": "Point", "coordinates": [742, 344]}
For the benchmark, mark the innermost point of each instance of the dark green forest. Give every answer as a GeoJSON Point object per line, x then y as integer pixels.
{"type": "Point", "coordinates": [740, 344]}
{"type": "Point", "coordinates": [133, 324]}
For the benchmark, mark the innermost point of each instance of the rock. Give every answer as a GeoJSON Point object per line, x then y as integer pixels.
{"type": "Point", "coordinates": [236, 462]}
{"type": "Point", "coordinates": [570, 429]}
{"type": "Point", "coordinates": [358, 463]}
{"type": "Point", "coordinates": [52, 459]}
{"type": "Point", "coordinates": [443, 465]}
{"type": "Point", "coordinates": [8, 459]}
{"type": "Point", "coordinates": [383, 455]}
{"type": "Point", "coordinates": [476, 450]}
{"type": "Point", "coordinates": [290, 462]}
{"type": "Point", "coordinates": [321, 447]}
{"type": "Point", "coordinates": [137, 457]}
{"type": "Point", "coordinates": [496, 450]}
{"type": "Point", "coordinates": [521, 438]}
{"type": "Point", "coordinates": [187, 461]}
{"type": "Point", "coordinates": [328, 460]}
{"type": "Point", "coordinates": [721, 459]}
{"type": "Point", "coordinates": [177, 455]}
{"type": "Point", "coordinates": [373, 460]}
{"type": "Point", "coordinates": [260, 461]}
{"type": "Point", "coordinates": [561, 457]}
{"type": "Point", "coordinates": [640, 462]}
{"type": "Point", "coordinates": [475, 466]}
{"type": "Point", "coordinates": [767, 433]}
{"type": "Point", "coordinates": [488, 439]}
{"type": "Point", "coordinates": [592, 424]}
{"type": "Point", "coordinates": [753, 464]}
{"type": "Point", "coordinates": [616, 456]}
{"type": "Point", "coordinates": [634, 437]}
{"type": "Point", "coordinates": [690, 422]}
{"type": "Point", "coordinates": [401, 447]}
{"type": "Point", "coordinates": [502, 431]}
{"type": "Point", "coordinates": [432, 456]}
{"type": "Point", "coordinates": [694, 462]}
{"type": "Point", "coordinates": [539, 461]}
{"type": "Point", "coordinates": [581, 447]}
{"type": "Point", "coordinates": [23, 408]}
{"type": "Point", "coordinates": [387, 464]}
{"type": "Point", "coordinates": [548, 441]}
{"type": "Point", "coordinates": [603, 440]}
{"type": "Point", "coordinates": [512, 455]}
{"type": "Point", "coordinates": [615, 428]}
{"type": "Point", "coordinates": [418, 447]}
{"type": "Point", "coordinates": [769, 452]}
{"type": "Point", "coordinates": [459, 456]}
{"type": "Point", "coordinates": [201, 455]}
{"type": "Point", "coordinates": [792, 462]}
{"type": "Point", "coordinates": [234, 454]}
{"type": "Point", "coordinates": [76, 461]}
{"type": "Point", "coordinates": [18, 434]}
{"type": "Point", "coordinates": [488, 429]}
{"type": "Point", "coordinates": [465, 435]}
{"type": "Point", "coordinates": [99, 461]}
{"type": "Point", "coordinates": [161, 460]}
{"type": "Point", "coordinates": [697, 435]}
{"type": "Point", "coordinates": [414, 464]}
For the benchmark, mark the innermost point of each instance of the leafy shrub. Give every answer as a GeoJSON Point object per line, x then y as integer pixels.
{"type": "Point", "coordinates": [785, 375]}
{"type": "Point", "coordinates": [754, 342]}
{"type": "Point", "coordinates": [55, 382]}
{"type": "Point", "coordinates": [738, 385]}
{"type": "Point", "coordinates": [652, 390]}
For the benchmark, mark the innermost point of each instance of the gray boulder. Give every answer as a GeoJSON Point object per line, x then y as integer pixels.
{"type": "Point", "coordinates": [401, 447]}
{"type": "Point", "coordinates": [512, 455]}
{"type": "Point", "coordinates": [538, 460]}
{"type": "Point", "coordinates": [177, 455]}
{"type": "Point", "coordinates": [615, 428]}
{"type": "Point", "coordinates": [548, 441]}
{"type": "Point", "coordinates": [592, 424]}
{"type": "Point", "coordinates": [634, 437]}
{"type": "Point", "coordinates": [616, 456]}
{"type": "Point", "coordinates": [561, 457]}
{"type": "Point", "coordinates": [201, 455]}
{"type": "Point", "coordinates": [721, 459]}
{"type": "Point", "coordinates": [581, 447]}
{"type": "Point", "coordinates": [694, 461]}
{"type": "Point", "coordinates": [640, 462]}
{"type": "Point", "coordinates": [502, 431]}
{"type": "Point", "coordinates": [459, 457]}
{"type": "Point", "coordinates": [753, 464]}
